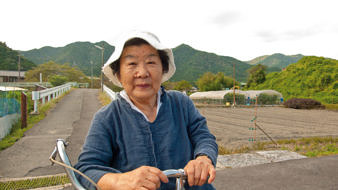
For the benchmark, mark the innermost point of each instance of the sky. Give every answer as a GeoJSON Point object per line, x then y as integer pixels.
{"type": "Point", "coordinates": [243, 29]}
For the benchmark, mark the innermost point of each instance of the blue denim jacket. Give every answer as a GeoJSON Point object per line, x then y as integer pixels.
{"type": "Point", "coordinates": [121, 140]}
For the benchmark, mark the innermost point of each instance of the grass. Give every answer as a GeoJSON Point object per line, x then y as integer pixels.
{"type": "Point", "coordinates": [35, 182]}
{"type": "Point", "coordinates": [104, 98]}
{"type": "Point", "coordinates": [310, 146]}
{"type": "Point", "coordinates": [16, 131]}
{"type": "Point", "coordinates": [333, 107]}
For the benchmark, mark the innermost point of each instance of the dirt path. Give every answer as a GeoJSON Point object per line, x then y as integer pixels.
{"type": "Point", "coordinates": [231, 125]}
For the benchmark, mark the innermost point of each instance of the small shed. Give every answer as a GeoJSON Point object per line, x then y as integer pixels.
{"type": "Point", "coordinates": [11, 76]}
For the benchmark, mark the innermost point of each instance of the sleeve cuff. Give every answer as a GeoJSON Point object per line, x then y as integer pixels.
{"type": "Point", "coordinates": [204, 154]}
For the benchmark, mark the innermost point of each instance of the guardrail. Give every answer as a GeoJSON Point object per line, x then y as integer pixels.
{"type": "Point", "coordinates": [50, 93]}
{"type": "Point", "coordinates": [110, 93]}
{"type": "Point", "coordinates": [26, 84]}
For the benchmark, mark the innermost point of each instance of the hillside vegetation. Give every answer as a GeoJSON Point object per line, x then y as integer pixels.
{"type": "Point", "coordinates": [191, 64]}
{"type": "Point", "coordinates": [275, 62]}
{"type": "Point", "coordinates": [77, 54]}
{"type": "Point", "coordinates": [311, 77]}
{"type": "Point", "coordinates": [9, 59]}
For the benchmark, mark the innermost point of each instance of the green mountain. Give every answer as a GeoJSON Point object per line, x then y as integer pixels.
{"type": "Point", "coordinates": [78, 54]}
{"type": "Point", "coordinates": [192, 64]}
{"type": "Point", "coordinates": [275, 62]}
{"type": "Point", "coordinates": [311, 77]}
{"type": "Point", "coordinates": [9, 59]}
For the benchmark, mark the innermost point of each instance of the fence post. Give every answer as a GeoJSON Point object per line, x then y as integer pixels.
{"type": "Point", "coordinates": [35, 97]}
{"type": "Point", "coordinates": [23, 110]}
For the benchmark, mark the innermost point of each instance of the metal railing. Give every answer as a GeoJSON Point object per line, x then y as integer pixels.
{"type": "Point", "coordinates": [26, 84]}
{"type": "Point", "coordinates": [110, 93]}
{"type": "Point", "coordinates": [50, 93]}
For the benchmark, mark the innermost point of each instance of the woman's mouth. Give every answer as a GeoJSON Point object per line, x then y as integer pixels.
{"type": "Point", "coordinates": [142, 85]}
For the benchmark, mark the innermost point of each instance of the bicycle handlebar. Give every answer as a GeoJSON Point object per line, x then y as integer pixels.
{"type": "Point", "coordinates": [179, 175]}
{"type": "Point", "coordinates": [60, 149]}
{"type": "Point", "coordinates": [174, 173]}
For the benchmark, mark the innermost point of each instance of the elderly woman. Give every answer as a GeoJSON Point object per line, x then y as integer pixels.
{"type": "Point", "coordinates": [146, 129]}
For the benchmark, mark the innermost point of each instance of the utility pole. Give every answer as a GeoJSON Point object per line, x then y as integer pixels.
{"type": "Point", "coordinates": [91, 63]}
{"type": "Point", "coordinates": [234, 79]}
{"type": "Point", "coordinates": [19, 65]}
{"type": "Point", "coordinates": [102, 50]}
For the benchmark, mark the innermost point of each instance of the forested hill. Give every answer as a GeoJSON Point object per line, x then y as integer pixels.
{"type": "Point", "coordinates": [9, 59]}
{"type": "Point", "coordinates": [276, 62]}
{"type": "Point", "coordinates": [311, 77]}
{"type": "Point", "coordinates": [192, 64]}
{"type": "Point", "coordinates": [78, 54]}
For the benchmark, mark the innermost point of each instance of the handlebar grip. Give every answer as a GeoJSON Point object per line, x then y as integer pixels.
{"type": "Point", "coordinates": [175, 173]}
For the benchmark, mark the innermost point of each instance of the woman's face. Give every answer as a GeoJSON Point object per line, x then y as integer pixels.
{"type": "Point", "coordinates": [140, 72]}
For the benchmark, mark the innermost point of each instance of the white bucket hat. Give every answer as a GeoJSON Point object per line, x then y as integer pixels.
{"type": "Point", "coordinates": [152, 40]}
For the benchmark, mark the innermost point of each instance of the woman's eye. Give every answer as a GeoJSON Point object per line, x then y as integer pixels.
{"type": "Point", "coordinates": [151, 62]}
{"type": "Point", "coordinates": [132, 63]}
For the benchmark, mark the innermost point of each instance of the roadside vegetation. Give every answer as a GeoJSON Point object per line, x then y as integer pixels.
{"type": "Point", "coordinates": [17, 132]}
{"type": "Point", "coordinates": [35, 182]}
{"type": "Point", "coordinates": [309, 146]}
{"type": "Point", "coordinates": [104, 99]}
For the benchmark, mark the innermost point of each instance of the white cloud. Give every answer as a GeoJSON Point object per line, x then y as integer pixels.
{"type": "Point", "coordinates": [243, 29]}
{"type": "Point", "coordinates": [226, 18]}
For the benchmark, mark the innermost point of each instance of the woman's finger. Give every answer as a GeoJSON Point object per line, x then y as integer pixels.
{"type": "Point", "coordinates": [159, 174]}
{"type": "Point", "coordinates": [212, 174]}
{"type": "Point", "coordinates": [190, 172]}
{"type": "Point", "coordinates": [204, 175]}
{"type": "Point", "coordinates": [148, 184]}
{"type": "Point", "coordinates": [197, 174]}
{"type": "Point", "coordinates": [154, 179]}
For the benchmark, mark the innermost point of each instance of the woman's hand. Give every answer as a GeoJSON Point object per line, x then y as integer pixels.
{"type": "Point", "coordinates": [198, 171]}
{"type": "Point", "coordinates": [142, 178]}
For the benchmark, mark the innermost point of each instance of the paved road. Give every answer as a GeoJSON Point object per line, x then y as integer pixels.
{"type": "Point", "coordinates": [308, 173]}
{"type": "Point", "coordinates": [69, 120]}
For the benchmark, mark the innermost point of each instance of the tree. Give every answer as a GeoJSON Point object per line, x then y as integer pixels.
{"type": "Point", "coordinates": [325, 81]}
{"type": "Point", "coordinates": [183, 85]}
{"type": "Point", "coordinates": [168, 85]}
{"type": "Point", "coordinates": [210, 81]}
{"type": "Point", "coordinates": [9, 59]}
{"type": "Point", "coordinates": [57, 80]}
{"type": "Point", "coordinates": [257, 75]}
{"type": "Point", "coordinates": [51, 69]}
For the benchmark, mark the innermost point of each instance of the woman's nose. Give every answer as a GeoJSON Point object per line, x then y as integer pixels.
{"type": "Point", "coordinates": [142, 71]}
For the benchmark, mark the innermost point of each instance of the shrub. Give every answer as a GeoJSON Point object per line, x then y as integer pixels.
{"type": "Point", "coordinates": [240, 98]}
{"type": "Point", "coordinates": [58, 80]}
{"type": "Point", "coordinates": [299, 103]}
{"type": "Point", "coordinates": [267, 99]}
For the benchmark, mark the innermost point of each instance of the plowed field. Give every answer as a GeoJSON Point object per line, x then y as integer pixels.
{"type": "Point", "coordinates": [231, 125]}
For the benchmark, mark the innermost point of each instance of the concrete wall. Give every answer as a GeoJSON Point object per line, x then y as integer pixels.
{"type": "Point", "coordinates": [6, 124]}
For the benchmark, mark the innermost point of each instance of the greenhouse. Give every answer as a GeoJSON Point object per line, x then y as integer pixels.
{"type": "Point", "coordinates": [241, 97]}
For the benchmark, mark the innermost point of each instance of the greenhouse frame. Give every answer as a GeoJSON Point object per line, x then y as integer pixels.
{"type": "Point", "coordinates": [242, 97]}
